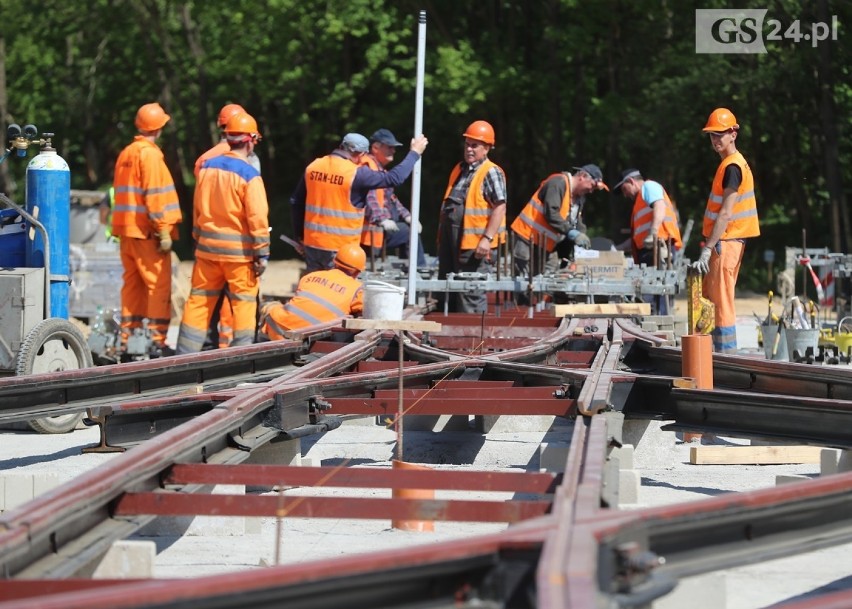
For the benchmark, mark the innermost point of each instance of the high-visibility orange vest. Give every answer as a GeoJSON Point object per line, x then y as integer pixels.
{"type": "Point", "coordinates": [331, 220]}
{"type": "Point", "coordinates": [230, 219]}
{"type": "Point", "coordinates": [321, 296]}
{"type": "Point", "coordinates": [373, 234]}
{"type": "Point", "coordinates": [146, 202]}
{"type": "Point", "coordinates": [643, 217]}
{"type": "Point", "coordinates": [477, 210]}
{"type": "Point", "coordinates": [532, 222]}
{"type": "Point", "coordinates": [744, 222]}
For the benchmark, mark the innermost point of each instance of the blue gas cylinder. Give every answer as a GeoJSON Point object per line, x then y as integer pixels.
{"type": "Point", "coordinates": [49, 200]}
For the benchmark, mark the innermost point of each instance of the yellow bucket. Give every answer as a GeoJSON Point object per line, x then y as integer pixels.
{"type": "Point", "coordinates": [842, 339]}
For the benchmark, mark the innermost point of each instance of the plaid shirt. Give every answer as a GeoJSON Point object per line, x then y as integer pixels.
{"type": "Point", "coordinates": [493, 186]}
{"type": "Point", "coordinates": [393, 208]}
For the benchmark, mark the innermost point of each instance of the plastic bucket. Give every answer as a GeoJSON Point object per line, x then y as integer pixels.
{"type": "Point", "coordinates": [770, 334]}
{"type": "Point", "coordinates": [383, 301]}
{"type": "Point", "coordinates": [799, 341]}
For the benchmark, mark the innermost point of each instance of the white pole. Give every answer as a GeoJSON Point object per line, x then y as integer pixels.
{"type": "Point", "coordinates": [415, 177]}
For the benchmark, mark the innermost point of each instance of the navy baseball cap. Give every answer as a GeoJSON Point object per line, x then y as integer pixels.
{"type": "Point", "coordinates": [384, 136]}
{"type": "Point", "coordinates": [595, 173]}
{"type": "Point", "coordinates": [626, 175]}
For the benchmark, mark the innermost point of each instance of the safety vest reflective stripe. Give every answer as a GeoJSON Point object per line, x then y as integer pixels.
{"type": "Point", "coordinates": [744, 217]}
{"type": "Point", "coordinates": [332, 230]}
{"type": "Point", "coordinates": [331, 220]}
{"type": "Point", "coordinates": [532, 222]}
{"type": "Point", "coordinates": [477, 210]}
{"type": "Point", "coordinates": [642, 219]}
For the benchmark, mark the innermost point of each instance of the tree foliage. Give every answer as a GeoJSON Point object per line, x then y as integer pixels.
{"type": "Point", "coordinates": [564, 83]}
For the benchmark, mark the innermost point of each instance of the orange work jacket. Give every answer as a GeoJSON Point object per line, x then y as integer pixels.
{"type": "Point", "coordinates": [320, 297]}
{"type": "Point", "coordinates": [218, 150]}
{"type": "Point", "coordinates": [331, 221]}
{"type": "Point", "coordinates": [477, 210]}
{"type": "Point", "coordinates": [230, 219]}
{"type": "Point", "coordinates": [532, 221]}
{"type": "Point", "coordinates": [373, 234]}
{"type": "Point", "coordinates": [642, 219]}
{"type": "Point", "coordinates": [146, 202]}
{"type": "Point", "coordinates": [744, 222]}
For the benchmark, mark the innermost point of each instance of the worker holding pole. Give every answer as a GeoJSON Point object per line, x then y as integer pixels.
{"type": "Point", "coordinates": [729, 219]}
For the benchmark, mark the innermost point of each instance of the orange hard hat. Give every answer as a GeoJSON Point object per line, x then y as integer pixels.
{"type": "Point", "coordinates": [151, 117]}
{"type": "Point", "coordinates": [721, 119]}
{"type": "Point", "coordinates": [351, 258]}
{"type": "Point", "coordinates": [480, 130]}
{"type": "Point", "coordinates": [227, 112]}
{"type": "Point", "coordinates": [241, 127]}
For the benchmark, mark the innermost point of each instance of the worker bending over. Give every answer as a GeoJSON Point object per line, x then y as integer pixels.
{"type": "Point", "coordinates": [321, 296]}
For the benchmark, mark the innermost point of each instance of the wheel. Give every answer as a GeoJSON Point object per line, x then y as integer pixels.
{"type": "Point", "coordinates": [53, 345]}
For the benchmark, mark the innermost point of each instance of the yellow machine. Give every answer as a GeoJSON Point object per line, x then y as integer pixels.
{"type": "Point", "coordinates": [701, 315]}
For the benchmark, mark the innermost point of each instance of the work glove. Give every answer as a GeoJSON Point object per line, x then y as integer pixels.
{"type": "Point", "coordinates": [648, 243]}
{"type": "Point", "coordinates": [419, 226]}
{"type": "Point", "coordinates": [260, 265]}
{"type": "Point", "coordinates": [165, 238]}
{"type": "Point", "coordinates": [579, 239]}
{"type": "Point", "coordinates": [390, 226]}
{"type": "Point", "coordinates": [702, 265]}
{"type": "Point", "coordinates": [664, 251]}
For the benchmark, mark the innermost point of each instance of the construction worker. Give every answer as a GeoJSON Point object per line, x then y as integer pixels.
{"type": "Point", "coordinates": [729, 219]}
{"type": "Point", "coordinates": [222, 146]}
{"type": "Point", "coordinates": [145, 220]}
{"type": "Point", "coordinates": [221, 330]}
{"type": "Point", "coordinates": [231, 232]}
{"type": "Point", "coordinates": [553, 214]}
{"type": "Point", "coordinates": [386, 221]}
{"type": "Point", "coordinates": [328, 203]}
{"type": "Point", "coordinates": [473, 215]}
{"type": "Point", "coordinates": [321, 296]}
{"type": "Point", "coordinates": [653, 223]}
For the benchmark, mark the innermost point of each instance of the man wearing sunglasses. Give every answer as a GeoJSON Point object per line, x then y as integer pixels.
{"type": "Point", "coordinates": [729, 219]}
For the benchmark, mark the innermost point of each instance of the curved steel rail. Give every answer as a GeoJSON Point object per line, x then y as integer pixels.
{"type": "Point", "coordinates": [580, 552]}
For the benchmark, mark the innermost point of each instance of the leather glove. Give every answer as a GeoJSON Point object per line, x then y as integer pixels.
{"type": "Point", "coordinates": [165, 238]}
{"type": "Point", "coordinates": [260, 265]}
{"type": "Point", "coordinates": [702, 265]}
{"type": "Point", "coordinates": [579, 239]}
{"type": "Point", "coordinates": [390, 226]}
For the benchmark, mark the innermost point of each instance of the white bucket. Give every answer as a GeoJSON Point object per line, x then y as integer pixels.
{"type": "Point", "coordinates": [383, 301]}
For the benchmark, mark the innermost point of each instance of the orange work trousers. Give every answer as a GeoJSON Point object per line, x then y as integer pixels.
{"type": "Point", "coordinates": [209, 278]}
{"type": "Point", "coordinates": [719, 286]}
{"type": "Point", "coordinates": [146, 292]}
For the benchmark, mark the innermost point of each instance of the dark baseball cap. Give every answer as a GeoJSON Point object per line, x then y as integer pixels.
{"type": "Point", "coordinates": [626, 175]}
{"type": "Point", "coordinates": [384, 136]}
{"type": "Point", "coordinates": [595, 173]}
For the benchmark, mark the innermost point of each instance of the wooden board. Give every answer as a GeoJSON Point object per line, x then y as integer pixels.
{"type": "Point", "coordinates": [621, 308]}
{"type": "Point", "coordinates": [387, 324]}
{"type": "Point", "coordinates": [753, 455]}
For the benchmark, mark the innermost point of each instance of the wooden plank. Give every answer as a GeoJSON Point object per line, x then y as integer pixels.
{"type": "Point", "coordinates": [388, 324]}
{"type": "Point", "coordinates": [753, 455]}
{"type": "Point", "coordinates": [606, 308]}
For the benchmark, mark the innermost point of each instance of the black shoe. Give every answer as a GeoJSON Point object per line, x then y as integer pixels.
{"type": "Point", "coordinates": [161, 351]}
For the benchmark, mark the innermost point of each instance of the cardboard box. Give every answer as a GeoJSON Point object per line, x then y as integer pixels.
{"type": "Point", "coordinates": [600, 264]}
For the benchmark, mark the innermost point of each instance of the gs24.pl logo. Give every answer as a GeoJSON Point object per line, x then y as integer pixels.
{"type": "Point", "coordinates": [746, 30]}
